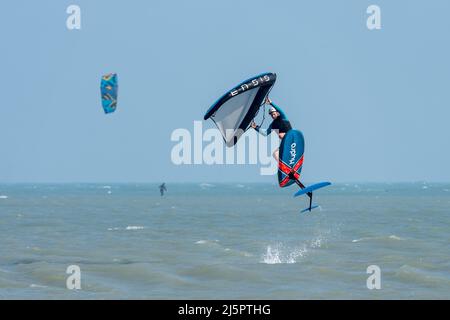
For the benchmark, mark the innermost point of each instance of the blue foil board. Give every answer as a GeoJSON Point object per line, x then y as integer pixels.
{"type": "Point", "coordinates": [312, 188]}
{"type": "Point", "coordinates": [292, 148]}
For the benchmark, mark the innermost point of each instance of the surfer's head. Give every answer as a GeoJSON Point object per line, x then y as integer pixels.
{"type": "Point", "coordinates": [273, 112]}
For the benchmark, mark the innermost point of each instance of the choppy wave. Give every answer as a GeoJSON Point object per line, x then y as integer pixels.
{"type": "Point", "coordinates": [391, 237]}
{"type": "Point", "coordinates": [206, 241]}
{"type": "Point", "coordinates": [206, 185]}
{"type": "Point", "coordinates": [37, 286]}
{"type": "Point", "coordinates": [3, 197]}
{"type": "Point", "coordinates": [168, 248]}
{"type": "Point", "coordinates": [412, 274]}
{"type": "Point", "coordinates": [135, 228]}
{"type": "Point", "coordinates": [5, 271]}
{"type": "Point", "coordinates": [214, 272]}
{"type": "Point", "coordinates": [229, 251]}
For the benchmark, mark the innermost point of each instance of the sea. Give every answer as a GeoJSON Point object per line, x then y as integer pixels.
{"type": "Point", "coordinates": [224, 241]}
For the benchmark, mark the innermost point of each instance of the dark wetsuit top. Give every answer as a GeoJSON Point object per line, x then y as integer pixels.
{"type": "Point", "coordinates": [162, 188]}
{"type": "Point", "coordinates": [281, 123]}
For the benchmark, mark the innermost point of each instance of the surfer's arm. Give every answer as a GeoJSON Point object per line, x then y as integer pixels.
{"type": "Point", "coordinates": [264, 132]}
{"type": "Point", "coordinates": [282, 114]}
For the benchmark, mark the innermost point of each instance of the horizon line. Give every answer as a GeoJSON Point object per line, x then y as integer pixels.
{"type": "Point", "coordinates": [209, 182]}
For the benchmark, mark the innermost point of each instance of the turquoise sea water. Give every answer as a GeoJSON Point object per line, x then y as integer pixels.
{"type": "Point", "coordinates": [224, 241]}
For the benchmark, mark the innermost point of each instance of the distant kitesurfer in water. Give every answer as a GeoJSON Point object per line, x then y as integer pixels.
{"type": "Point", "coordinates": [280, 123]}
{"type": "Point", "coordinates": [162, 188]}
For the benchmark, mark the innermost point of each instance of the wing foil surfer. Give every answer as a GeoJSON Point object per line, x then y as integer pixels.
{"type": "Point", "coordinates": [280, 124]}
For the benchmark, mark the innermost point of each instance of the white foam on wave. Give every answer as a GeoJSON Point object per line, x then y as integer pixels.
{"type": "Point", "coordinates": [37, 286]}
{"type": "Point", "coordinates": [216, 245]}
{"type": "Point", "coordinates": [394, 237]}
{"type": "Point", "coordinates": [206, 241]}
{"type": "Point", "coordinates": [33, 248]}
{"type": "Point", "coordinates": [127, 228]}
{"type": "Point", "coordinates": [238, 252]}
{"type": "Point", "coordinates": [206, 185]}
{"type": "Point", "coordinates": [5, 271]}
{"type": "Point", "coordinates": [391, 237]}
{"type": "Point", "coordinates": [3, 197]}
{"type": "Point", "coordinates": [106, 187]}
{"type": "Point", "coordinates": [135, 228]}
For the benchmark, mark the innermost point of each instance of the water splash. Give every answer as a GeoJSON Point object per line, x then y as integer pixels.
{"type": "Point", "coordinates": [278, 254]}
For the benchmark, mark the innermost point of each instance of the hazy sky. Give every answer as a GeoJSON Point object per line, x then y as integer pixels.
{"type": "Point", "coordinates": [373, 105]}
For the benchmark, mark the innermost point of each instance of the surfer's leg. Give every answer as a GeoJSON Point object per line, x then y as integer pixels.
{"type": "Point", "coordinates": [276, 154]}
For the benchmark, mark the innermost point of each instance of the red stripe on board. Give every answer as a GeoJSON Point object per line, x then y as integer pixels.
{"type": "Point", "coordinates": [285, 181]}
{"type": "Point", "coordinates": [284, 167]}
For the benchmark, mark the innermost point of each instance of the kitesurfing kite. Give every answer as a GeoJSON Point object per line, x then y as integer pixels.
{"type": "Point", "coordinates": [233, 114]}
{"type": "Point", "coordinates": [109, 89]}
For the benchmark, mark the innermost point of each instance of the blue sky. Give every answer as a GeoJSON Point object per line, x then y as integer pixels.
{"type": "Point", "coordinates": [373, 105]}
